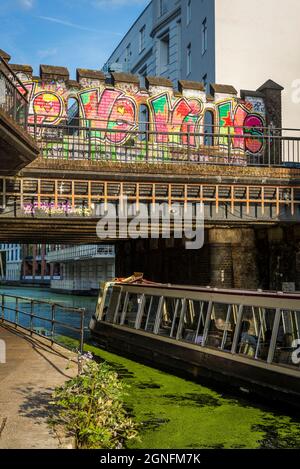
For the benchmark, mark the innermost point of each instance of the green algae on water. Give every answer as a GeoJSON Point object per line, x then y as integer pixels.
{"type": "Point", "coordinates": [176, 413]}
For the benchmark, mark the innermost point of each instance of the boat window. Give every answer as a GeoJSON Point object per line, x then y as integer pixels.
{"type": "Point", "coordinates": [256, 332]}
{"type": "Point", "coordinates": [119, 308]}
{"type": "Point", "coordinates": [194, 321]}
{"type": "Point", "coordinates": [106, 300]}
{"type": "Point", "coordinates": [110, 310]}
{"type": "Point", "coordinates": [222, 326]}
{"type": "Point", "coordinates": [288, 339]}
{"type": "Point", "coordinates": [169, 316]}
{"type": "Point", "coordinates": [149, 313]}
{"type": "Point", "coordinates": [132, 309]}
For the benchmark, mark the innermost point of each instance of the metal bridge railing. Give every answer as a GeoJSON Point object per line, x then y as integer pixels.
{"type": "Point", "coordinates": [44, 318]}
{"type": "Point", "coordinates": [13, 95]}
{"type": "Point", "coordinates": [121, 141]}
{"type": "Point", "coordinates": [38, 198]}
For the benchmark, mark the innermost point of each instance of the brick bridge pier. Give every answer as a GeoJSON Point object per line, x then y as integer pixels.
{"type": "Point", "coordinates": [243, 258]}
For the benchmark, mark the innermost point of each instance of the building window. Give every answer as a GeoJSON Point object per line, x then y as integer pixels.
{"type": "Point", "coordinates": [204, 81]}
{"type": "Point", "coordinates": [204, 36]}
{"type": "Point", "coordinates": [189, 12]}
{"type": "Point", "coordinates": [128, 53]}
{"type": "Point", "coordinates": [162, 7]}
{"type": "Point", "coordinates": [164, 53]}
{"type": "Point", "coordinates": [142, 39]}
{"type": "Point", "coordinates": [143, 72]}
{"type": "Point", "coordinates": [179, 49]}
{"type": "Point", "coordinates": [189, 59]}
{"type": "Point", "coordinates": [144, 122]}
{"type": "Point", "coordinates": [209, 128]}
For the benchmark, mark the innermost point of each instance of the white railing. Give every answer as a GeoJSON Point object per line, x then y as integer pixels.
{"type": "Point", "coordinates": [74, 253]}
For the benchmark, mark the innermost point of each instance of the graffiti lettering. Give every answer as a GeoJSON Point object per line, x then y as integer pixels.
{"type": "Point", "coordinates": [112, 110]}
{"type": "Point", "coordinates": [239, 120]}
{"type": "Point", "coordinates": [181, 117]}
{"type": "Point", "coordinates": [111, 114]}
{"type": "Point", "coordinates": [47, 107]}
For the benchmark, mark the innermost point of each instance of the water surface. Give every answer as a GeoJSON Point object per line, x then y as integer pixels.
{"type": "Point", "coordinates": [176, 413]}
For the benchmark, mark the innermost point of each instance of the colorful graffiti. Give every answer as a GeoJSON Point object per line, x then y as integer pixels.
{"type": "Point", "coordinates": [109, 109]}
{"type": "Point", "coordinates": [50, 208]}
{"type": "Point", "coordinates": [112, 115]}
{"type": "Point", "coordinates": [179, 116]}
{"type": "Point", "coordinates": [238, 120]}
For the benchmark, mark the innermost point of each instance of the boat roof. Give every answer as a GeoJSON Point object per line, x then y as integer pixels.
{"type": "Point", "coordinates": [138, 280]}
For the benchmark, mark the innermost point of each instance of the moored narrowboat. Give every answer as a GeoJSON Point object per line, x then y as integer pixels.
{"type": "Point", "coordinates": [248, 340]}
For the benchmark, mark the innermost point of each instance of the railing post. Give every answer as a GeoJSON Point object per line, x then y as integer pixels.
{"type": "Point", "coordinates": [269, 145]}
{"type": "Point", "coordinates": [26, 113]}
{"type": "Point", "coordinates": [52, 323]}
{"type": "Point", "coordinates": [15, 105]}
{"type": "Point", "coordinates": [188, 142]}
{"type": "Point", "coordinates": [31, 317]}
{"type": "Point", "coordinates": [2, 307]}
{"type": "Point", "coordinates": [90, 142]}
{"type": "Point", "coordinates": [35, 126]}
{"type": "Point", "coordinates": [229, 145]}
{"type": "Point", "coordinates": [17, 313]}
{"type": "Point", "coordinates": [147, 144]}
{"type": "Point", "coordinates": [81, 331]}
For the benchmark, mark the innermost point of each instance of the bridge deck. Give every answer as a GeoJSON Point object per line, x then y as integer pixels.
{"type": "Point", "coordinates": [27, 379]}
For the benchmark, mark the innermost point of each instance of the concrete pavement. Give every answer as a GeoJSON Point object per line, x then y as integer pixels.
{"type": "Point", "coordinates": [27, 380]}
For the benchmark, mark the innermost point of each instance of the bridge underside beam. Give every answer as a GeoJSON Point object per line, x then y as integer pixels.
{"type": "Point", "coordinates": [80, 230]}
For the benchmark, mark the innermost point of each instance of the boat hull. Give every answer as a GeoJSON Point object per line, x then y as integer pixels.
{"type": "Point", "coordinates": [270, 382]}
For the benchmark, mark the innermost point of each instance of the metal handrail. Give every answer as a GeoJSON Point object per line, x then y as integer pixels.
{"type": "Point", "coordinates": [15, 103]}
{"type": "Point", "coordinates": [16, 78]}
{"type": "Point", "coordinates": [64, 118]}
{"type": "Point", "coordinates": [53, 321]}
{"type": "Point", "coordinates": [201, 143]}
{"type": "Point", "coordinates": [84, 123]}
{"type": "Point", "coordinates": [21, 84]}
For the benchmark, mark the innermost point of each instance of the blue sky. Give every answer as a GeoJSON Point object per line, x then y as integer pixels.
{"type": "Point", "coordinates": [71, 33]}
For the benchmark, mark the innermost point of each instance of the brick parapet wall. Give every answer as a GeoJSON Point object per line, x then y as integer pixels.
{"type": "Point", "coordinates": [105, 169]}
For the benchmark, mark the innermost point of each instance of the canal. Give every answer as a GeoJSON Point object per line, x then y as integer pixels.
{"type": "Point", "coordinates": [175, 413]}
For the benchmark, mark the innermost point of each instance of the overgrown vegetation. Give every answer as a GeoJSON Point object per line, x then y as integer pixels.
{"type": "Point", "coordinates": [164, 405]}
{"type": "Point", "coordinates": [90, 407]}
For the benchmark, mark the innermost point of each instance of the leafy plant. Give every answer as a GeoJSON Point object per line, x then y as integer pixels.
{"type": "Point", "coordinates": [91, 408]}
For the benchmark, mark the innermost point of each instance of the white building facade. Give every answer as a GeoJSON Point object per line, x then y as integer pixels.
{"type": "Point", "coordinates": [217, 41]}
{"type": "Point", "coordinates": [11, 262]}
{"type": "Point", "coordinates": [83, 268]}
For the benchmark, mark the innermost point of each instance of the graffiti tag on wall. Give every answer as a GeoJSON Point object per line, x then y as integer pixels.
{"type": "Point", "coordinates": [113, 115]}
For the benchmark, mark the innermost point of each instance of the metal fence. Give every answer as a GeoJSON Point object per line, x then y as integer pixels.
{"type": "Point", "coordinates": [50, 320]}
{"type": "Point", "coordinates": [125, 142]}
{"type": "Point", "coordinates": [42, 198]}
{"type": "Point", "coordinates": [13, 95]}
